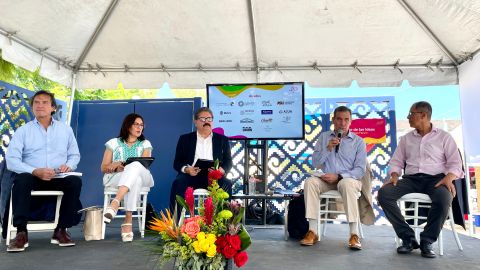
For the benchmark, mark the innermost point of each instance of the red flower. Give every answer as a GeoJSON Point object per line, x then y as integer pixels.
{"type": "Point", "coordinates": [241, 258]}
{"type": "Point", "coordinates": [215, 174]}
{"type": "Point", "coordinates": [234, 241]}
{"type": "Point", "coordinates": [190, 200]}
{"type": "Point", "coordinates": [221, 242]}
{"type": "Point", "coordinates": [229, 252]}
{"type": "Point", "coordinates": [209, 209]}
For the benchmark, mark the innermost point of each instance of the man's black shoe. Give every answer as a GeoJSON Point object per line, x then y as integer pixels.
{"type": "Point", "coordinates": [407, 246]}
{"type": "Point", "coordinates": [427, 250]}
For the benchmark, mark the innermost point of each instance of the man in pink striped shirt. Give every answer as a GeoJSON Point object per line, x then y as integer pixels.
{"type": "Point", "coordinates": [431, 162]}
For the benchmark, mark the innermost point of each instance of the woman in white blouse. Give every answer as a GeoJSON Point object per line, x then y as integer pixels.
{"type": "Point", "coordinates": [131, 178]}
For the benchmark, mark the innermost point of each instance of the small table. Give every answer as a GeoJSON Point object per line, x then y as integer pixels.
{"type": "Point", "coordinates": [284, 197]}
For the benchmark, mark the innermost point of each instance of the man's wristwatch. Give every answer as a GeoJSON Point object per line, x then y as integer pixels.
{"type": "Point", "coordinates": [340, 177]}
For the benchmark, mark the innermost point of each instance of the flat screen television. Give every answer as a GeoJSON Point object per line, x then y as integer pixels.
{"type": "Point", "coordinates": [264, 111]}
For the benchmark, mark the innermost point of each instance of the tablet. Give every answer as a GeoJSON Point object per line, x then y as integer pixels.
{"type": "Point", "coordinates": [204, 164]}
{"type": "Point", "coordinates": [145, 161]}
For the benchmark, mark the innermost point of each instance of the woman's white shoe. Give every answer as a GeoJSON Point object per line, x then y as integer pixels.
{"type": "Point", "coordinates": [127, 237]}
{"type": "Point", "coordinates": [110, 212]}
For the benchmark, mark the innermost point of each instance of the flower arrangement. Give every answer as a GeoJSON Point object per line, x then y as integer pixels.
{"type": "Point", "coordinates": [209, 238]}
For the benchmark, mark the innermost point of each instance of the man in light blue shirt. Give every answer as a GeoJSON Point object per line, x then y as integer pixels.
{"type": "Point", "coordinates": [342, 156]}
{"type": "Point", "coordinates": [38, 151]}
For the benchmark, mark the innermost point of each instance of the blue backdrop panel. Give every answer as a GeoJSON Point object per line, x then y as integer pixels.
{"type": "Point", "coordinates": [95, 122]}
{"type": "Point", "coordinates": [165, 122]}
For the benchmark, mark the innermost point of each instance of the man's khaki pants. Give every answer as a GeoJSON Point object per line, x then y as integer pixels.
{"type": "Point", "coordinates": [348, 188]}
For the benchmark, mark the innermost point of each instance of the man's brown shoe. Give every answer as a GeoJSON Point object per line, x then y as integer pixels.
{"type": "Point", "coordinates": [19, 243]}
{"type": "Point", "coordinates": [62, 238]}
{"type": "Point", "coordinates": [354, 242]}
{"type": "Point", "coordinates": [310, 239]}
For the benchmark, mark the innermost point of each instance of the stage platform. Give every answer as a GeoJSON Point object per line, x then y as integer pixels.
{"type": "Point", "coordinates": [268, 251]}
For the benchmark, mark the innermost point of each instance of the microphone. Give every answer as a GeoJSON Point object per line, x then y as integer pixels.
{"type": "Point", "coordinates": [339, 135]}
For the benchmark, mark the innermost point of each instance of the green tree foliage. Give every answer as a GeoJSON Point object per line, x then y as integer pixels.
{"type": "Point", "coordinates": [7, 70]}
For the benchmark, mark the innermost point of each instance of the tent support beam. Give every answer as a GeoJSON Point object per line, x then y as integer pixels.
{"type": "Point", "coordinates": [95, 34]}
{"type": "Point", "coordinates": [11, 36]}
{"type": "Point", "coordinates": [253, 35]}
{"type": "Point", "coordinates": [428, 31]}
{"type": "Point", "coordinates": [268, 68]}
{"type": "Point", "coordinates": [72, 97]}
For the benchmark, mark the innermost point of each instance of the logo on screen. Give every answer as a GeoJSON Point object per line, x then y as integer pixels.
{"type": "Point", "coordinates": [294, 89]}
{"type": "Point", "coordinates": [286, 119]}
{"type": "Point", "coordinates": [246, 120]}
{"type": "Point", "coordinates": [242, 103]}
{"type": "Point", "coordinates": [243, 112]}
{"type": "Point", "coordinates": [247, 128]}
{"type": "Point", "coordinates": [290, 102]}
{"type": "Point", "coordinates": [225, 104]}
{"type": "Point", "coordinates": [267, 112]}
{"type": "Point", "coordinates": [285, 111]}
{"type": "Point", "coordinates": [266, 103]}
{"type": "Point", "coordinates": [225, 113]}
{"type": "Point", "coordinates": [267, 120]}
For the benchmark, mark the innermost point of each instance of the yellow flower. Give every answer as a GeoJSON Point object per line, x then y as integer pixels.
{"type": "Point", "coordinates": [212, 251]}
{"type": "Point", "coordinates": [204, 246]}
{"type": "Point", "coordinates": [196, 247]}
{"type": "Point", "coordinates": [201, 236]}
{"type": "Point", "coordinates": [211, 238]}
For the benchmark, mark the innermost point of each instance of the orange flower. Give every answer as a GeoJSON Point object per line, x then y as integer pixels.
{"type": "Point", "coordinates": [165, 224]}
{"type": "Point", "coordinates": [191, 228]}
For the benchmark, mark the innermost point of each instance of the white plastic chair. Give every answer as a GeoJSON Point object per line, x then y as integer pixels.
{"type": "Point", "coordinates": [419, 200]}
{"type": "Point", "coordinates": [199, 195]}
{"type": "Point", "coordinates": [36, 226]}
{"type": "Point", "coordinates": [110, 192]}
{"type": "Point", "coordinates": [329, 198]}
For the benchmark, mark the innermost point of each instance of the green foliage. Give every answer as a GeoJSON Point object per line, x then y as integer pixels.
{"type": "Point", "coordinates": [7, 70]}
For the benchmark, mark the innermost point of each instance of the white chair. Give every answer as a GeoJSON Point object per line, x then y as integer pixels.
{"type": "Point", "coordinates": [36, 226]}
{"type": "Point", "coordinates": [110, 192]}
{"type": "Point", "coordinates": [329, 197]}
{"type": "Point", "coordinates": [199, 195]}
{"type": "Point", "coordinates": [420, 200]}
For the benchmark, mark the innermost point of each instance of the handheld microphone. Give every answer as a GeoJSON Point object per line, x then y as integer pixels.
{"type": "Point", "coordinates": [339, 135]}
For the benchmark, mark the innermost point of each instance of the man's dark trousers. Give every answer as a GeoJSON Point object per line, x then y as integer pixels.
{"type": "Point", "coordinates": [24, 183]}
{"type": "Point", "coordinates": [416, 183]}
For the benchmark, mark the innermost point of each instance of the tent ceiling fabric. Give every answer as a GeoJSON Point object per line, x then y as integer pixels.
{"type": "Point", "coordinates": [193, 42]}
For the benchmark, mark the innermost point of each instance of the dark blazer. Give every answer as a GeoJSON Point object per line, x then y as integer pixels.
{"type": "Point", "coordinates": [187, 143]}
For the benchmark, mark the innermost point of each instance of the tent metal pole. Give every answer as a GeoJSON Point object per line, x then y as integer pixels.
{"type": "Point", "coordinates": [253, 36]}
{"type": "Point", "coordinates": [266, 68]}
{"type": "Point", "coordinates": [95, 34]}
{"type": "Point", "coordinates": [428, 31]}
{"type": "Point", "coordinates": [11, 36]}
{"type": "Point", "coordinates": [72, 97]}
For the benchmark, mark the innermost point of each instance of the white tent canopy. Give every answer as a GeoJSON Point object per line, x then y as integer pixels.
{"type": "Point", "coordinates": [190, 43]}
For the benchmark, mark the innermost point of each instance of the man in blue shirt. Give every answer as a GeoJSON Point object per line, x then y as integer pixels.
{"type": "Point", "coordinates": [342, 156]}
{"type": "Point", "coordinates": [38, 151]}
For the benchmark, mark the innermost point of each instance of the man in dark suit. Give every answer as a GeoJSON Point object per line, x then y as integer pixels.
{"type": "Point", "coordinates": [200, 144]}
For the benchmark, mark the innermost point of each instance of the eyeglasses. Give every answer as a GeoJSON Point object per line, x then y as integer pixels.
{"type": "Point", "coordinates": [410, 114]}
{"type": "Point", "coordinates": [138, 125]}
{"type": "Point", "coordinates": [206, 119]}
